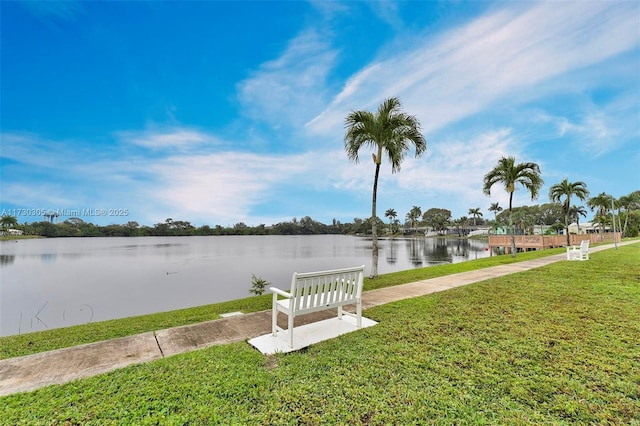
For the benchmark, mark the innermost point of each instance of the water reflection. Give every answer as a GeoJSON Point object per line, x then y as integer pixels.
{"type": "Point", "coordinates": [48, 257]}
{"type": "Point", "coordinates": [6, 259]}
{"type": "Point", "coordinates": [392, 253]}
{"type": "Point", "coordinates": [431, 251]}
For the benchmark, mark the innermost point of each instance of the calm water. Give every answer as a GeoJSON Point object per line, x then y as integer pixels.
{"type": "Point", "coordinates": [50, 283]}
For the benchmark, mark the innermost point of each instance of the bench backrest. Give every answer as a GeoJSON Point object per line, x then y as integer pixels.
{"type": "Point", "coordinates": [584, 245]}
{"type": "Point", "coordinates": [326, 288]}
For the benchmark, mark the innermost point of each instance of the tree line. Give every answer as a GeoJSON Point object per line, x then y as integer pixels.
{"type": "Point", "coordinates": [525, 219]}
{"type": "Point", "coordinates": [76, 227]}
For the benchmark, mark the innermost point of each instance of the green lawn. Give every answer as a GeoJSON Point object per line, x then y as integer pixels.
{"type": "Point", "coordinates": [555, 345]}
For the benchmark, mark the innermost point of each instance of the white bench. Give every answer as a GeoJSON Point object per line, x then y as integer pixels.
{"type": "Point", "coordinates": [580, 252]}
{"type": "Point", "coordinates": [318, 291]}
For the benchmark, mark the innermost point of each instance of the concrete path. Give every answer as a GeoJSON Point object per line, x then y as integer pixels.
{"type": "Point", "coordinates": [31, 372]}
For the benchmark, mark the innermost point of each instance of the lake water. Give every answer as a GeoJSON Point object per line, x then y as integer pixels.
{"type": "Point", "coordinates": [58, 282]}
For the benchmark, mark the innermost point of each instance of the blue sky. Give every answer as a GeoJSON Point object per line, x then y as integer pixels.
{"type": "Point", "coordinates": [225, 112]}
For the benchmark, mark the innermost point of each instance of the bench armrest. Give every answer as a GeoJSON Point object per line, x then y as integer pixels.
{"type": "Point", "coordinates": [283, 293]}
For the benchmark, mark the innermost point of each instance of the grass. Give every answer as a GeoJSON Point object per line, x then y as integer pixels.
{"type": "Point", "coordinates": [558, 344]}
{"type": "Point", "coordinates": [30, 343]}
{"type": "Point", "coordinates": [18, 237]}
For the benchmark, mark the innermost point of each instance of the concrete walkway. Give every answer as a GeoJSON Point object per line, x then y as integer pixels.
{"type": "Point", "coordinates": [31, 372]}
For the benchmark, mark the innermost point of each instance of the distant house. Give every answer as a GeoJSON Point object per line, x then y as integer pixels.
{"type": "Point", "coordinates": [480, 231]}
{"type": "Point", "coordinates": [500, 230]}
{"type": "Point", "coordinates": [586, 228]}
{"type": "Point", "coordinates": [11, 231]}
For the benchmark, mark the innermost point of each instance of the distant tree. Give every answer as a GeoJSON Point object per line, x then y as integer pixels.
{"type": "Point", "coordinates": [464, 223]}
{"type": "Point", "coordinates": [437, 219]}
{"type": "Point", "coordinates": [495, 208]}
{"type": "Point", "coordinates": [8, 221]}
{"type": "Point", "coordinates": [600, 204]}
{"type": "Point", "coordinates": [508, 173]}
{"type": "Point", "coordinates": [391, 215]}
{"type": "Point", "coordinates": [549, 213]}
{"type": "Point", "coordinates": [475, 213]}
{"type": "Point", "coordinates": [562, 192]}
{"type": "Point", "coordinates": [557, 227]}
{"type": "Point", "coordinates": [629, 203]}
{"type": "Point", "coordinates": [389, 131]}
{"type": "Point", "coordinates": [413, 216]}
{"type": "Point", "coordinates": [574, 214]}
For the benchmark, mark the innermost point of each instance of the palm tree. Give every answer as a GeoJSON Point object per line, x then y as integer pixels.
{"type": "Point", "coordinates": [8, 221]}
{"type": "Point", "coordinates": [600, 204]}
{"type": "Point", "coordinates": [508, 173]}
{"type": "Point", "coordinates": [566, 189]}
{"type": "Point", "coordinates": [495, 208]}
{"type": "Point", "coordinates": [574, 214]}
{"type": "Point", "coordinates": [475, 213]}
{"type": "Point", "coordinates": [413, 216]}
{"type": "Point", "coordinates": [391, 214]}
{"type": "Point", "coordinates": [628, 203]}
{"type": "Point", "coordinates": [464, 222]}
{"type": "Point", "coordinates": [388, 131]}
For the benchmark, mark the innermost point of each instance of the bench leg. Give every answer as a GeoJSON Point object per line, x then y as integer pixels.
{"type": "Point", "coordinates": [359, 314]}
{"type": "Point", "coordinates": [340, 312]}
{"type": "Point", "coordinates": [290, 325]}
{"type": "Point", "coordinates": [274, 322]}
{"type": "Point", "coordinates": [274, 316]}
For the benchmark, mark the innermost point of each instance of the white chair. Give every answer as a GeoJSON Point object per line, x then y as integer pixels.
{"type": "Point", "coordinates": [580, 252]}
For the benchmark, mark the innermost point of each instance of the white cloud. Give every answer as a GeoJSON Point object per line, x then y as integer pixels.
{"type": "Point", "coordinates": [492, 58]}
{"type": "Point", "coordinates": [290, 89]}
{"type": "Point", "coordinates": [221, 187]}
{"type": "Point", "coordinates": [387, 11]}
{"type": "Point", "coordinates": [169, 138]}
{"type": "Point", "coordinates": [214, 188]}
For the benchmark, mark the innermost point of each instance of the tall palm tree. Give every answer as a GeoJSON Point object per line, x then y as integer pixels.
{"type": "Point", "coordinates": [574, 214]}
{"type": "Point", "coordinates": [600, 204]}
{"type": "Point", "coordinates": [388, 131]}
{"type": "Point", "coordinates": [566, 189]}
{"type": "Point", "coordinates": [508, 173]}
{"type": "Point", "coordinates": [475, 213]}
{"type": "Point", "coordinates": [391, 214]}
{"type": "Point", "coordinates": [495, 208]}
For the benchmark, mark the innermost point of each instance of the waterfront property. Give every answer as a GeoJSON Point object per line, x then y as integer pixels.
{"type": "Point", "coordinates": [541, 242]}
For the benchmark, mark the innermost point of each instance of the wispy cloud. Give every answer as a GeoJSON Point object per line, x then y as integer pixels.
{"type": "Point", "coordinates": [290, 89]}
{"type": "Point", "coordinates": [221, 187]}
{"type": "Point", "coordinates": [180, 138]}
{"type": "Point", "coordinates": [493, 58]}
{"type": "Point", "coordinates": [63, 9]}
{"type": "Point", "coordinates": [213, 188]}
{"type": "Point", "coordinates": [387, 11]}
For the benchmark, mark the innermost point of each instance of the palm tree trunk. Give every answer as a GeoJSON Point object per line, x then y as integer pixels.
{"type": "Point", "coordinates": [626, 217]}
{"type": "Point", "coordinates": [513, 231]}
{"type": "Point", "coordinates": [374, 230]}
